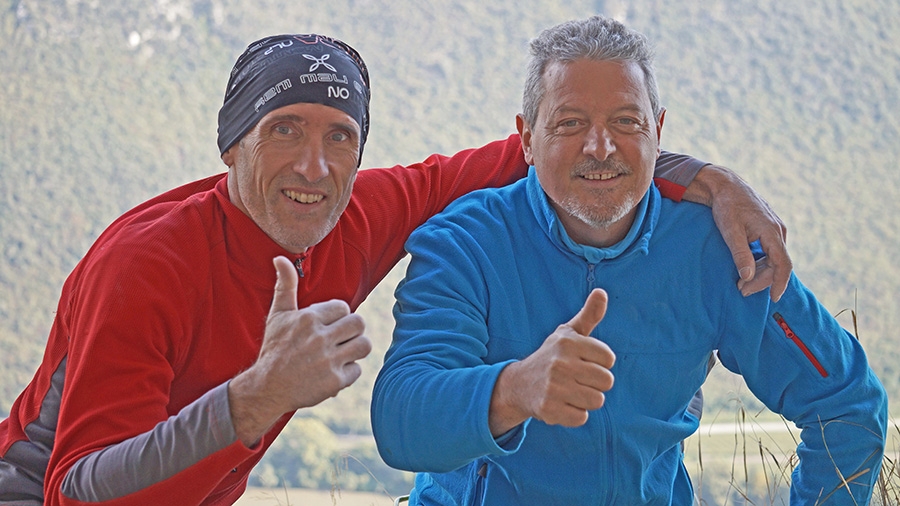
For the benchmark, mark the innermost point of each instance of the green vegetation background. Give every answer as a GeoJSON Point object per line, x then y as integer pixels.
{"type": "Point", "coordinates": [104, 104]}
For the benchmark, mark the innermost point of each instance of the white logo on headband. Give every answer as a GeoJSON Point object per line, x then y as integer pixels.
{"type": "Point", "coordinates": [280, 45]}
{"type": "Point", "coordinates": [319, 61]}
{"type": "Point", "coordinates": [271, 92]}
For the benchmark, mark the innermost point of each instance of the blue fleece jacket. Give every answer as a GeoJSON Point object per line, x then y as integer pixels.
{"type": "Point", "coordinates": [496, 273]}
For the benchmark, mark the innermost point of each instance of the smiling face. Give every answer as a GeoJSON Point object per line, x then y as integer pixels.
{"type": "Point", "coordinates": [293, 173]}
{"type": "Point", "coordinates": [594, 146]}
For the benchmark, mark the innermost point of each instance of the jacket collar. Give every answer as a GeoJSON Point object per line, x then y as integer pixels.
{"type": "Point", "coordinates": [636, 241]}
{"type": "Point", "coordinates": [250, 249]}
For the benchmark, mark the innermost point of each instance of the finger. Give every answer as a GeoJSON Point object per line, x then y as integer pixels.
{"type": "Point", "coordinates": [351, 371]}
{"type": "Point", "coordinates": [335, 312]}
{"type": "Point", "coordinates": [596, 353]}
{"type": "Point", "coordinates": [590, 315]}
{"type": "Point", "coordinates": [761, 280]}
{"type": "Point", "coordinates": [569, 416]}
{"type": "Point", "coordinates": [352, 327]}
{"type": "Point", "coordinates": [587, 399]}
{"type": "Point", "coordinates": [737, 242]}
{"type": "Point", "coordinates": [779, 261]}
{"type": "Point", "coordinates": [285, 297]}
{"type": "Point", "coordinates": [355, 348]}
{"type": "Point", "coordinates": [599, 378]}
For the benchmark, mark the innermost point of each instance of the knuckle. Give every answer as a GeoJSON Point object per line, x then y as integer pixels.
{"type": "Point", "coordinates": [366, 345]}
{"type": "Point", "coordinates": [357, 322]}
{"type": "Point", "coordinates": [545, 407]}
{"type": "Point", "coordinates": [307, 316]}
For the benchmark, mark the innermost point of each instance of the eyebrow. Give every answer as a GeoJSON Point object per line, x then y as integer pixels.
{"type": "Point", "coordinates": [345, 125]}
{"type": "Point", "coordinates": [282, 117]}
{"type": "Point", "coordinates": [567, 109]}
{"type": "Point", "coordinates": [630, 108]}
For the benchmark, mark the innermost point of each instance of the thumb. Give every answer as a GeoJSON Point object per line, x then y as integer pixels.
{"type": "Point", "coordinates": [285, 297]}
{"type": "Point", "coordinates": [743, 260]}
{"type": "Point", "coordinates": [590, 315]}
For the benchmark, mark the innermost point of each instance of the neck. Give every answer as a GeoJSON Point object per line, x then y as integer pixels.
{"type": "Point", "coordinates": [596, 234]}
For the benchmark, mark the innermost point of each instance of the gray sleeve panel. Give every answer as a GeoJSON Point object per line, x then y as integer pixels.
{"type": "Point", "coordinates": [197, 431]}
{"type": "Point", "coordinates": [23, 466]}
{"type": "Point", "coordinates": [19, 487]}
{"type": "Point", "coordinates": [677, 168]}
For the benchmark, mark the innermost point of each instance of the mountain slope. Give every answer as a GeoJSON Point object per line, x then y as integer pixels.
{"type": "Point", "coordinates": [105, 104]}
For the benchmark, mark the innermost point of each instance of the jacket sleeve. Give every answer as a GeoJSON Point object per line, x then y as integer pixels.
{"type": "Point", "coordinates": [797, 360]}
{"type": "Point", "coordinates": [674, 173]}
{"type": "Point", "coordinates": [173, 451]}
{"type": "Point", "coordinates": [121, 440]}
{"type": "Point", "coordinates": [431, 398]}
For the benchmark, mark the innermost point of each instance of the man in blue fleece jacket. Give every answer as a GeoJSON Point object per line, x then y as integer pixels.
{"type": "Point", "coordinates": [509, 381]}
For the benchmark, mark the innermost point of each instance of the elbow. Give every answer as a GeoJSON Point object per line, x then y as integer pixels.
{"type": "Point", "coordinates": [402, 447]}
{"type": "Point", "coordinates": [394, 459]}
{"type": "Point", "coordinates": [386, 428]}
{"type": "Point", "coordinates": [882, 409]}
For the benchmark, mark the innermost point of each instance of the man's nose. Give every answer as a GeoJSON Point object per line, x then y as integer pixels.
{"type": "Point", "coordinates": [599, 142]}
{"type": "Point", "coordinates": [311, 162]}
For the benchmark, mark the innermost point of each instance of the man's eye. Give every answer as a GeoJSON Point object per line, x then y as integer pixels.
{"type": "Point", "coordinates": [339, 136]}
{"type": "Point", "coordinates": [571, 123]}
{"type": "Point", "coordinates": [284, 129]}
{"type": "Point", "coordinates": [631, 122]}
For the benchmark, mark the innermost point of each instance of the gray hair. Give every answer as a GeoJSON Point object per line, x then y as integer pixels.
{"type": "Point", "coordinates": [594, 38]}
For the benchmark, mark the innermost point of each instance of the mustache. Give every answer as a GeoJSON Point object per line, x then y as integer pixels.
{"type": "Point", "coordinates": [590, 165]}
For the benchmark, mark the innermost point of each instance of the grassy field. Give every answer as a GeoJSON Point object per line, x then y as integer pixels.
{"type": "Point", "coordinates": [742, 461]}
{"type": "Point", "coordinates": [300, 497]}
{"type": "Point", "coordinates": [745, 460]}
{"type": "Point", "coordinates": [749, 461]}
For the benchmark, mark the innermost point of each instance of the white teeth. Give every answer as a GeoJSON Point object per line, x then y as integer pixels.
{"type": "Point", "coordinates": [303, 198]}
{"type": "Point", "coordinates": [601, 177]}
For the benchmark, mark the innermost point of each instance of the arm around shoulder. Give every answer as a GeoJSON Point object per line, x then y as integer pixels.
{"type": "Point", "coordinates": [744, 217]}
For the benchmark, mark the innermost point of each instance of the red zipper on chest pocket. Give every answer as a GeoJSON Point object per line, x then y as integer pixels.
{"type": "Point", "coordinates": [796, 340]}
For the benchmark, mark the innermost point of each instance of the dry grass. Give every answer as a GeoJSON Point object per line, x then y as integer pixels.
{"type": "Point", "coordinates": [302, 497]}
{"type": "Point", "coordinates": [752, 464]}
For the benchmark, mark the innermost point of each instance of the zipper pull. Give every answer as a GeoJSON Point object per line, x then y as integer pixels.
{"type": "Point", "coordinates": [298, 263]}
{"type": "Point", "coordinates": [789, 333]}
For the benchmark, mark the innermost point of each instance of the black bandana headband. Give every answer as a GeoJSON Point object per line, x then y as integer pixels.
{"type": "Point", "coordinates": [287, 69]}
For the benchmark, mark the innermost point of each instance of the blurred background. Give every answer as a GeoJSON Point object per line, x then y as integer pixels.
{"type": "Point", "coordinates": [104, 104]}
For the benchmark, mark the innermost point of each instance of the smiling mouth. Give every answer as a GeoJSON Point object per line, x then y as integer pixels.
{"type": "Point", "coordinates": [303, 198]}
{"type": "Point", "coordinates": [599, 177]}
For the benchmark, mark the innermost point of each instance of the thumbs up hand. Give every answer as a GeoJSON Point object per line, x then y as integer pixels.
{"type": "Point", "coordinates": [591, 313]}
{"type": "Point", "coordinates": [562, 380]}
{"type": "Point", "coordinates": [307, 356]}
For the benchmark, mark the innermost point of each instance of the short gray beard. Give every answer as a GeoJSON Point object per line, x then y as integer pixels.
{"type": "Point", "coordinates": [598, 218]}
{"type": "Point", "coordinates": [594, 214]}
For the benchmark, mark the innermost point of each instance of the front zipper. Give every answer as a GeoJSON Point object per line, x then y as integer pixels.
{"type": "Point", "coordinates": [796, 340]}
{"type": "Point", "coordinates": [480, 478]}
{"type": "Point", "coordinates": [610, 488]}
{"type": "Point", "coordinates": [298, 263]}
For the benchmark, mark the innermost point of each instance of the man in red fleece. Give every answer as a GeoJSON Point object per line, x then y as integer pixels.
{"type": "Point", "coordinates": [172, 365]}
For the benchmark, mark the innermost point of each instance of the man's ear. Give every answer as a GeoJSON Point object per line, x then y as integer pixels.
{"type": "Point", "coordinates": [525, 135]}
{"type": "Point", "coordinates": [228, 156]}
{"type": "Point", "coordinates": [659, 125]}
